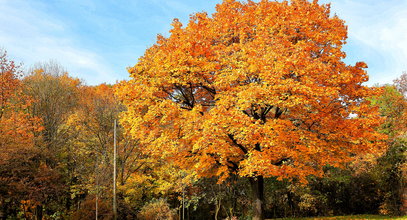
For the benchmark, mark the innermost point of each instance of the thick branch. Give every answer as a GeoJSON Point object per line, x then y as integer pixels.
{"type": "Point", "coordinates": [257, 147]}
{"type": "Point", "coordinates": [186, 98]}
{"type": "Point", "coordinates": [237, 144]}
{"type": "Point", "coordinates": [279, 112]}
{"type": "Point", "coordinates": [234, 166]}
{"type": "Point", "coordinates": [210, 90]}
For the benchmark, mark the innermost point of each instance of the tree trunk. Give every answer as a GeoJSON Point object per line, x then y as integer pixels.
{"type": "Point", "coordinates": [257, 185]}
{"type": "Point", "coordinates": [403, 208]}
{"type": "Point", "coordinates": [217, 204]}
{"type": "Point", "coordinates": [38, 212]}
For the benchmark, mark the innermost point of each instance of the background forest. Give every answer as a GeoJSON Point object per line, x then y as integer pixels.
{"type": "Point", "coordinates": [56, 161]}
{"type": "Point", "coordinates": [57, 133]}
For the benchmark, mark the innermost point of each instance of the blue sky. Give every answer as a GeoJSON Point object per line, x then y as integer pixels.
{"type": "Point", "coordinates": [97, 40]}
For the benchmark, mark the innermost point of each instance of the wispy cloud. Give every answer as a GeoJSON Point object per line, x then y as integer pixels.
{"type": "Point", "coordinates": [96, 40]}
{"type": "Point", "coordinates": [33, 35]}
{"type": "Point", "coordinates": [379, 32]}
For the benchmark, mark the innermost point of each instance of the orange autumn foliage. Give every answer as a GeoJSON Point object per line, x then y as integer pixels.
{"type": "Point", "coordinates": [9, 81]}
{"type": "Point", "coordinates": [256, 89]}
{"type": "Point", "coordinates": [16, 125]}
{"type": "Point", "coordinates": [23, 177]}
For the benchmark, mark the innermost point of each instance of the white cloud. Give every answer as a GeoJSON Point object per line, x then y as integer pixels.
{"type": "Point", "coordinates": [31, 35]}
{"type": "Point", "coordinates": [381, 28]}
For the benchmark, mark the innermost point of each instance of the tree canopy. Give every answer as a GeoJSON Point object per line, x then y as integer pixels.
{"type": "Point", "coordinates": [258, 89]}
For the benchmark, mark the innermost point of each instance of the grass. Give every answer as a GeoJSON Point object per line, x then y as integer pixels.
{"type": "Point", "coordinates": [349, 217]}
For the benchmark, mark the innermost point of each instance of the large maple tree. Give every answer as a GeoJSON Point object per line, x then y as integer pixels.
{"type": "Point", "coordinates": [258, 89]}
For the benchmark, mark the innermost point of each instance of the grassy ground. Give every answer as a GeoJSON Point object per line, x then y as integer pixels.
{"type": "Point", "coordinates": [350, 217]}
